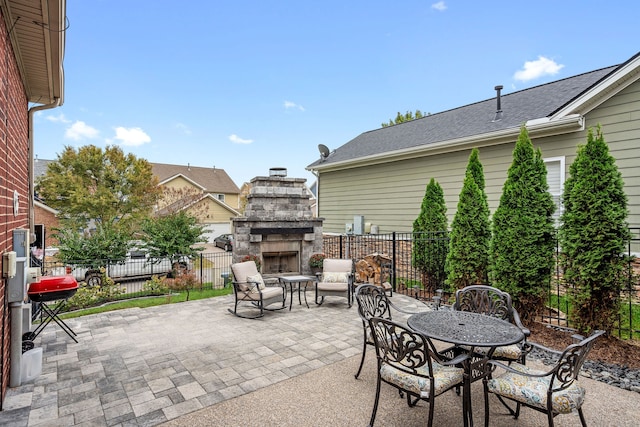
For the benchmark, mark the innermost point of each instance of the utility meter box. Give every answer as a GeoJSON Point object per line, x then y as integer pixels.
{"type": "Point", "coordinates": [17, 285]}
{"type": "Point", "coordinates": [358, 224]}
{"type": "Point", "coordinates": [21, 242]}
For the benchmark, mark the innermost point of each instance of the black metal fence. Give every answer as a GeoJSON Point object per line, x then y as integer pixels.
{"type": "Point", "coordinates": [212, 269]}
{"type": "Point", "coordinates": [407, 279]}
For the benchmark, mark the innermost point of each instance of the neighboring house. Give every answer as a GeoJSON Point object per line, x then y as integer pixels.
{"type": "Point", "coordinates": [382, 174]}
{"type": "Point", "coordinates": [31, 77]}
{"type": "Point", "coordinates": [43, 214]}
{"type": "Point", "coordinates": [47, 218]}
{"type": "Point", "coordinates": [209, 194]}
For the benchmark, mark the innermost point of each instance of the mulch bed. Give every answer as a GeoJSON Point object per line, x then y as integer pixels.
{"type": "Point", "coordinates": [607, 349]}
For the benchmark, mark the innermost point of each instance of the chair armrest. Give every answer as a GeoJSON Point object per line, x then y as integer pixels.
{"type": "Point", "coordinates": [456, 360]}
{"type": "Point", "coordinates": [249, 285]}
{"type": "Point", "coordinates": [518, 323]}
{"type": "Point", "coordinates": [492, 364]}
{"type": "Point", "coordinates": [272, 282]}
{"type": "Point", "coordinates": [546, 349]}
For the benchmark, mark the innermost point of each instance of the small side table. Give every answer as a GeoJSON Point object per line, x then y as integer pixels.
{"type": "Point", "coordinates": [290, 281]}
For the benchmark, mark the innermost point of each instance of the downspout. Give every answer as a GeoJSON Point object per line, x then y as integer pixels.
{"type": "Point", "coordinates": [15, 308]}
{"type": "Point", "coordinates": [32, 111]}
{"type": "Point", "coordinates": [317, 175]}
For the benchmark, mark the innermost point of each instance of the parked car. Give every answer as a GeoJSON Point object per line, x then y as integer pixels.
{"type": "Point", "coordinates": [224, 241]}
{"type": "Point", "coordinates": [137, 265]}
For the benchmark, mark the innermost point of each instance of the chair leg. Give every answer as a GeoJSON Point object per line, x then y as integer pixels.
{"type": "Point", "coordinates": [364, 353]}
{"type": "Point", "coordinates": [431, 406]}
{"type": "Point", "coordinates": [235, 312]}
{"type": "Point", "coordinates": [515, 413]}
{"type": "Point", "coordinates": [486, 401]}
{"type": "Point", "coordinates": [582, 420]}
{"type": "Point", "coordinates": [375, 404]}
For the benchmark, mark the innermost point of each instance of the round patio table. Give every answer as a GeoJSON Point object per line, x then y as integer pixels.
{"type": "Point", "coordinates": [467, 330]}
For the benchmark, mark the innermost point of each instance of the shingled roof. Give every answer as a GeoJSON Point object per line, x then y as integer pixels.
{"type": "Point", "coordinates": [212, 180]}
{"type": "Point", "coordinates": [518, 108]}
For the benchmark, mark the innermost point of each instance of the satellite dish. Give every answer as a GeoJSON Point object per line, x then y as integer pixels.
{"type": "Point", "coordinates": [324, 151]}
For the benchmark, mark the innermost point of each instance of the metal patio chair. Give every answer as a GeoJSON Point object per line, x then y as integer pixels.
{"type": "Point", "coordinates": [250, 287]}
{"type": "Point", "coordinates": [553, 392]}
{"type": "Point", "coordinates": [494, 302]}
{"type": "Point", "coordinates": [373, 302]}
{"type": "Point", "coordinates": [408, 361]}
{"type": "Point", "coordinates": [336, 280]}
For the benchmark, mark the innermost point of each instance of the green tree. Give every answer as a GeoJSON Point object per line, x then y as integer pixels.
{"type": "Point", "coordinates": [593, 235]}
{"type": "Point", "coordinates": [430, 236]}
{"type": "Point", "coordinates": [172, 235]}
{"type": "Point", "coordinates": [401, 118]}
{"type": "Point", "coordinates": [106, 186]}
{"type": "Point", "coordinates": [92, 249]}
{"type": "Point", "coordinates": [470, 237]}
{"type": "Point", "coordinates": [522, 248]}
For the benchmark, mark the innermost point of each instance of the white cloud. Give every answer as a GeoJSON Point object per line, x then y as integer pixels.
{"type": "Point", "coordinates": [538, 68]}
{"type": "Point", "coordinates": [183, 128]}
{"type": "Point", "coordinates": [237, 140]}
{"type": "Point", "coordinates": [289, 104]}
{"type": "Point", "coordinates": [132, 137]}
{"type": "Point", "coordinates": [80, 130]}
{"type": "Point", "coordinates": [439, 6]}
{"type": "Point", "coordinates": [60, 118]}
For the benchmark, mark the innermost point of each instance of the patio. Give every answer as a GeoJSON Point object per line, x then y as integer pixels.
{"type": "Point", "coordinates": [194, 364]}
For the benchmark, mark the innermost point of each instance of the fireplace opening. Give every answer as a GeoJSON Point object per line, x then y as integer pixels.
{"type": "Point", "coordinates": [280, 262]}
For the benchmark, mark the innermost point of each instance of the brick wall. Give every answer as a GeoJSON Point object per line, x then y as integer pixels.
{"type": "Point", "coordinates": [49, 220]}
{"type": "Point", "coordinates": [14, 158]}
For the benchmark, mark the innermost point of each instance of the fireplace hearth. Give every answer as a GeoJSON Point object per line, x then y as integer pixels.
{"type": "Point", "coordinates": [278, 226]}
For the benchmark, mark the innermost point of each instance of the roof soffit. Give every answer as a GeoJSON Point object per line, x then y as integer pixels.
{"type": "Point", "coordinates": [37, 33]}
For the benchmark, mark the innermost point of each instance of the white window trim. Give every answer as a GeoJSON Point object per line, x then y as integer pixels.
{"type": "Point", "coordinates": [562, 161]}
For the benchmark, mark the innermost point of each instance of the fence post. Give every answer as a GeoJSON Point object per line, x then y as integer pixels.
{"type": "Point", "coordinates": [393, 260]}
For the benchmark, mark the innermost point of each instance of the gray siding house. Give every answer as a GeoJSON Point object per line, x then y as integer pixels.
{"type": "Point", "coordinates": [382, 174]}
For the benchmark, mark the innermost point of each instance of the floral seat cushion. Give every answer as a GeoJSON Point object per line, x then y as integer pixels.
{"type": "Point", "coordinates": [533, 390]}
{"type": "Point", "coordinates": [444, 378]}
{"type": "Point", "coordinates": [507, 352]}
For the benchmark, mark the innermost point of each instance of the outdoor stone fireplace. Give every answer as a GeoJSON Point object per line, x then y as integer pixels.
{"type": "Point", "coordinates": [278, 227]}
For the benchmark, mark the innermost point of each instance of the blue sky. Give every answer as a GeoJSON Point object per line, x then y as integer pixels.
{"type": "Point", "coordinates": [246, 86]}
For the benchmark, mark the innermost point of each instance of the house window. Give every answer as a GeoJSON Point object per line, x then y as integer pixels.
{"type": "Point", "coordinates": [220, 197]}
{"type": "Point", "coordinates": [555, 179]}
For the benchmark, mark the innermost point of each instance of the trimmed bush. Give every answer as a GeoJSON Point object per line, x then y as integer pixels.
{"type": "Point", "coordinates": [593, 235]}
{"type": "Point", "coordinates": [522, 248]}
{"type": "Point", "coordinates": [468, 257]}
{"type": "Point", "coordinates": [430, 237]}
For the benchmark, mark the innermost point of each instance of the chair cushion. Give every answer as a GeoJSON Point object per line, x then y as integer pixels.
{"type": "Point", "coordinates": [507, 352]}
{"type": "Point", "coordinates": [242, 270]}
{"type": "Point", "coordinates": [267, 293]}
{"type": "Point", "coordinates": [337, 265]}
{"type": "Point", "coordinates": [256, 278]}
{"type": "Point", "coordinates": [335, 277]}
{"type": "Point", "coordinates": [444, 378]}
{"type": "Point", "coordinates": [533, 390]}
{"type": "Point", "coordinates": [333, 287]}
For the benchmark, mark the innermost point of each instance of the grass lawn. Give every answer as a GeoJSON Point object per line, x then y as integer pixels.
{"type": "Point", "coordinates": [627, 312]}
{"type": "Point", "coordinates": [172, 298]}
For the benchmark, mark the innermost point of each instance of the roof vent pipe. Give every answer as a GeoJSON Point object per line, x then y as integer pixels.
{"type": "Point", "coordinates": [498, 116]}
